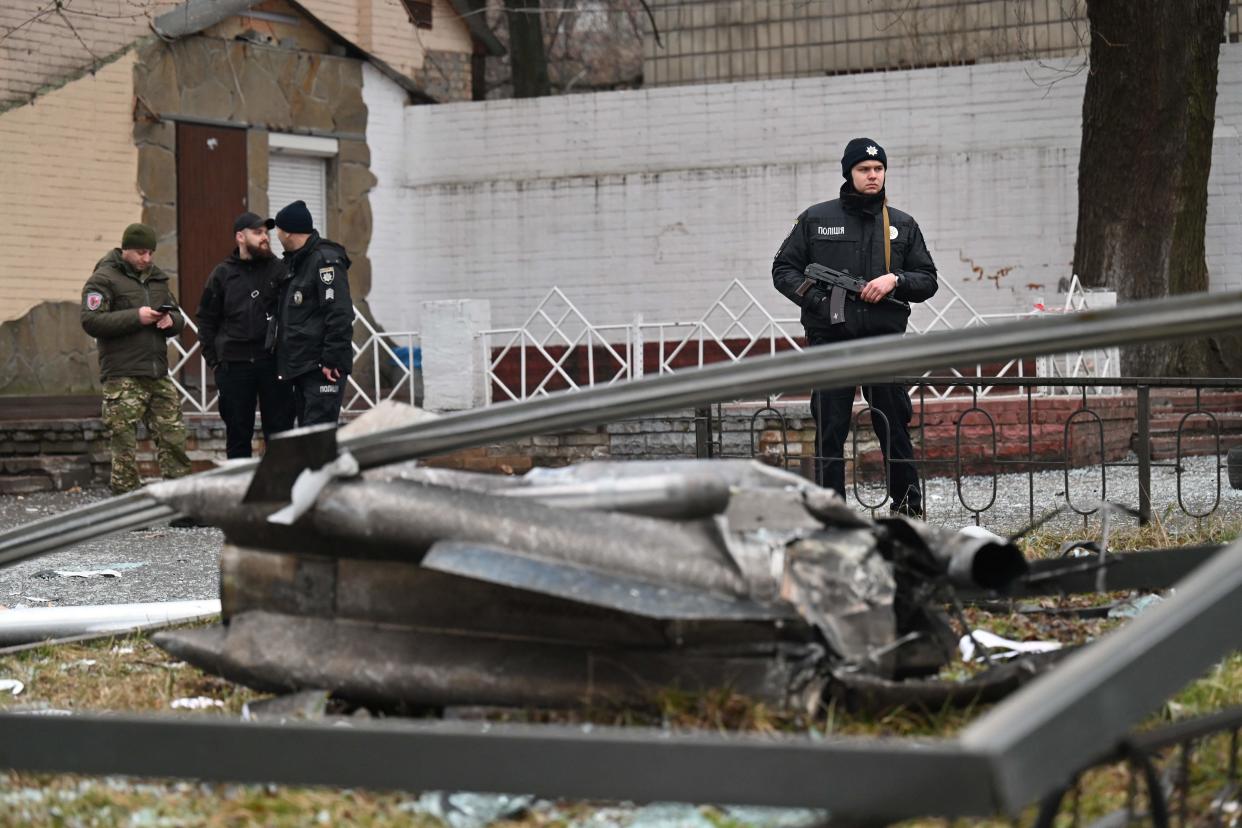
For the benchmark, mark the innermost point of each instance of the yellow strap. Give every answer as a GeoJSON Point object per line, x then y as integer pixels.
{"type": "Point", "coordinates": [888, 248]}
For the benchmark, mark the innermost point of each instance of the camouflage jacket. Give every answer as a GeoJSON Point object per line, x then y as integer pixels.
{"type": "Point", "coordinates": [110, 302]}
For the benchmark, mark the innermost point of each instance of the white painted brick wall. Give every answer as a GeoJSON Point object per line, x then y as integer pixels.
{"type": "Point", "coordinates": [386, 103]}
{"type": "Point", "coordinates": [649, 202]}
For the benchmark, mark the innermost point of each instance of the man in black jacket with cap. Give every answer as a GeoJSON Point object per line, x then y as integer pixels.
{"type": "Point", "coordinates": [233, 318]}
{"type": "Point", "coordinates": [315, 317]}
{"type": "Point", "coordinates": [859, 233]}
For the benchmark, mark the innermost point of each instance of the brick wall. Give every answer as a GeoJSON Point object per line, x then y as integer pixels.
{"type": "Point", "coordinates": [720, 40]}
{"type": "Point", "coordinates": [41, 50]}
{"type": "Point", "coordinates": [46, 453]}
{"type": "Point", "coordinates": [69, 167]}
{"type": "Point", "coordinates": [650, 202]}
{"type": "Point", "coordinates": [37, 455]}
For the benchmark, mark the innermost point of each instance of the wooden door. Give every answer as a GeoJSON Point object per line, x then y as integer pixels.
{"type": "Point", "coordinates": [211, 192]}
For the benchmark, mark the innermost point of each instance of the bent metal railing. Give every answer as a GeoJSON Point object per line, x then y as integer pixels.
{"type": "Point", "coordinates": [383, 359]}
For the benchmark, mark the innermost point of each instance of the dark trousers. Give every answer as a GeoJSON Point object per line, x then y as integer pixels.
{"type": "Point", "coordinates": [241, 385]}
{"type": "Point", "coordinates": [316, 399]}
{"type": "Point", "coordinates": [891, 411]}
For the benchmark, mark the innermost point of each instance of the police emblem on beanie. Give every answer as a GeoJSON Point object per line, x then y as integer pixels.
{"type": "Point", "coordinates": [859, 150]}
{"type": "Point", "coordinates": [295, 218]}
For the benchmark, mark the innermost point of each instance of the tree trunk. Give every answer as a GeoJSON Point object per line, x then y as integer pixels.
{"type": "Point", "coordinates": [1147, 119]}
{"type": "Point", "coordinates": [528, 59]}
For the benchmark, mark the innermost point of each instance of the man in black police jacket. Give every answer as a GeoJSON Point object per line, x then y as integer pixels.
{"type": "Point", "coordinates": [233, 317]}
{"type": "Point", "coordinates": [861, 234]}
{"type": "Point", "coordinates": [315, 317]}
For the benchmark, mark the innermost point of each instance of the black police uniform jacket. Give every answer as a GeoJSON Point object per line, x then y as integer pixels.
{"type": "Point", "coordinates": [315, 315]}
{"type": "Point", "coordinates": [847, 234]}
{"type": "Point", "coordinates": [238, 300]}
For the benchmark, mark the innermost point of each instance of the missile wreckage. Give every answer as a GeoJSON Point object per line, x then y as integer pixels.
{"type": "Point", "coordinates": [600, 583]}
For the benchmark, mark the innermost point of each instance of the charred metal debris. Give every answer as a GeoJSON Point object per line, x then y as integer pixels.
{"type": "Point", "coordinates": [600, 583]}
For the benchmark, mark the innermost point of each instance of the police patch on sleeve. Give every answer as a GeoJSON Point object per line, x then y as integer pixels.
{"type": "Point", "coordinates": [326, 275]}
{"type": "Point", "coordinates": [94, 300]}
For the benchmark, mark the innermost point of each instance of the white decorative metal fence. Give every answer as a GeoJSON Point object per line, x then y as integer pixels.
{"type": "Point", "coordinates": [558, 348]}
{"type": "Point", "coordinates": [387, 366]}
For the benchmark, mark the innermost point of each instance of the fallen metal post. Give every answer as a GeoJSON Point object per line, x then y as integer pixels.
{"type": "Point", "coordinates": [23, 625]}
{"type": "Point", "coordinates": [640, 765]}
{"type": "Point", "coordinates": [1070, 717]}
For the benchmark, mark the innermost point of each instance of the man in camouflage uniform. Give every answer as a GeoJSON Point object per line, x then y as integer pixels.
{"type": "Point", "coordinates": [128, 308]}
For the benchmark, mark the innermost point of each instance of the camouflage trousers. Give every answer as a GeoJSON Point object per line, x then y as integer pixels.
{"type": "Point", "coordinates": [155, 402]}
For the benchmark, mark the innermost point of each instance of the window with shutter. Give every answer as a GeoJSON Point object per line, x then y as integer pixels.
{"type": "Point", "coordinates": [420, 13]}
{"type": "Point", "coordinates": [298, 177]}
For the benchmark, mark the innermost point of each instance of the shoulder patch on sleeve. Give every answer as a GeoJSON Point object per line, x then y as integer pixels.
{"type": "Point", "coordinates": [326, 275]}
{"type": "Point", "coordinates": [94, 300]}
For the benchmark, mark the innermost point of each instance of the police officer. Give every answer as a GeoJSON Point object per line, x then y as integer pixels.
{"type": "Point", "coordinates": [861, 234]}
{"type": "Point", "coordinates": [128, 308]}
{"type": "Point", "coordinates": [238, 302]}
{"type": "Point", "coordinates": [315, 317]}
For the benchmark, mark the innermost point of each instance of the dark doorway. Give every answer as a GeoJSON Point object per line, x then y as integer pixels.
{"type": "Point", "coordinates": [211, 192]}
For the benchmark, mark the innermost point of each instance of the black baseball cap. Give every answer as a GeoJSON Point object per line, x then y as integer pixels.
{"type": "Point", "coordinates": [251, 221]}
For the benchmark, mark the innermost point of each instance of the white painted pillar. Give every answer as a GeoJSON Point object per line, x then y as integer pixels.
{"type": "Point", "coordinates": [454, 359]}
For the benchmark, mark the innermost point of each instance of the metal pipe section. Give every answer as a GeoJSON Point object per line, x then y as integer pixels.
{"type": "Point", "coordinates": [21, 626]}
{"type": "Point", "coordinates": [1143, 415]}
{"type": "Point", "coordinates": [583, 762]}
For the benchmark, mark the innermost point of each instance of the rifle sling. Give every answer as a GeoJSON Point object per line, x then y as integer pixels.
{"type": "Point", "coordinates": [888, 246]}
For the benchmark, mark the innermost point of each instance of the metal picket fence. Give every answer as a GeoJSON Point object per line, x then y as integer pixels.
{"type": "Point", "coordinates": [547, 352]}
{"type": "Point", "coordinates": [386, 367]}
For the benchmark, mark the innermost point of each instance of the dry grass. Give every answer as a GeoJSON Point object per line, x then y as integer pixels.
{"type": "Point", "coordinates": [132, 674]}
{"type": "Point", "coordinates": [127, 673]}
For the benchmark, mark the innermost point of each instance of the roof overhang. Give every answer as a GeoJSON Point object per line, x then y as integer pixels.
{"type": "Point", "coordinates": [195, 16]}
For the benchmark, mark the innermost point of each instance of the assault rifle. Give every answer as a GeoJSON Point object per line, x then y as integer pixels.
{"type": "Point", "coordinates": [840, 285]}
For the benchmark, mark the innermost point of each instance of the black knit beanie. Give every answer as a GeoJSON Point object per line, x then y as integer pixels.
{"type": "Point", "coordinates": [859, 150]}
{"type": "Point", "coordinates": [295, 218]}
{"type": "Point", "coordinates": [138, 237]}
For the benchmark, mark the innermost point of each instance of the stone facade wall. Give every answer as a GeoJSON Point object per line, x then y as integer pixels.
{"type": "Point", "coordinates": [46, 352]}
{"type": "Point", "coordinates": [263, 88]}
{"type": "Point", "coordinates": [446, 76]}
